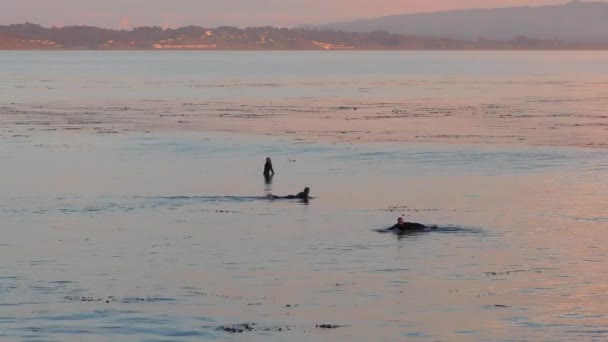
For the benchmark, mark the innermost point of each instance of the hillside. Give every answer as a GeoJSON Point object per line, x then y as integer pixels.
{"type": "Point", "coordinates": [585, 22]}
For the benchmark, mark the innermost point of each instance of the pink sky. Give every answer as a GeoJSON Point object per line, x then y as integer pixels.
{"type": "Point", "coordinates": [210, 13]}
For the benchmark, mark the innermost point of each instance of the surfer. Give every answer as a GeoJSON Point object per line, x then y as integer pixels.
{"type": "Point", "coordinates": [268, 168]}
{"type": "Point", "coordinates": [304, 195]}
{"type": "Point", "coordinates": [405, 226]}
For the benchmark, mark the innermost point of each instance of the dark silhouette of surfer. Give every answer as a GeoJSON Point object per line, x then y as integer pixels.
{"type": "Point", "coordinates": [402, 226]}
{"type": "Point", "coordinates": [304, 195]}
{"type": "Point", "coordinates": [268, 168]}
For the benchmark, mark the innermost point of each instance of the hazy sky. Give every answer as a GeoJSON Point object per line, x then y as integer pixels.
{"type": "Point", "coordinates": [209, 13]}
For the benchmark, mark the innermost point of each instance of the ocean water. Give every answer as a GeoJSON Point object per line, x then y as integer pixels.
{"type": "Point", "coordinates": [142, 234]}
{"type": "Point", "coordinates": [74, 76]}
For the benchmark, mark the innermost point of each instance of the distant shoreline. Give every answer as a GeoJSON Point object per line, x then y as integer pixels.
{"type": "Point", "coordinates": [33, 37]}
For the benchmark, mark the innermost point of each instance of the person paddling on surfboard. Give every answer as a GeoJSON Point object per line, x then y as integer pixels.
{"type": "Point", "coordinates": [404, 226]}
{"type": "Point", "coordinates": [304, 195]}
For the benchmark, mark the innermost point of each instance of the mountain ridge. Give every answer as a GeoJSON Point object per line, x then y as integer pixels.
{"type": "Point", "coordinates": [575, 21]}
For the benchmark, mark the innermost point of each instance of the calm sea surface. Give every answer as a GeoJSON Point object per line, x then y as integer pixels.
{"type": "Point", "coordinates": [75, 76]}
{"type": "Point", "coordinates": [167, 236]}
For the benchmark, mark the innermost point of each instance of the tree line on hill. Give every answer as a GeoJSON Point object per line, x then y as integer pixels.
{"type": "Point", "coordinates": [88, 37]}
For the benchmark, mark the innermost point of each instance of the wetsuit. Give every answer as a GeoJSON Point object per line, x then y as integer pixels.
{"type": "Point", "coordinates": [267, 169]}
{"type": "Point", "coordinates": [300, 195]}
{"type": "Point", "coordinates": [408, 226]}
